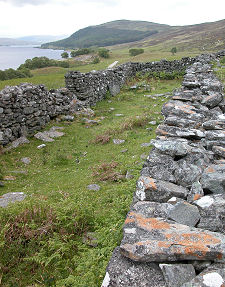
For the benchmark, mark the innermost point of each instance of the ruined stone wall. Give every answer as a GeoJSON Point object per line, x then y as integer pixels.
{"type": "Point", "coordinates": [27, 108]}
{"type": "Point", "coordinates": [174, 233]}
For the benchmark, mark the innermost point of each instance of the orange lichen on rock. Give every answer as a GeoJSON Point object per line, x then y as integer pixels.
{"type": "Point", "coordinates": [150, 183]}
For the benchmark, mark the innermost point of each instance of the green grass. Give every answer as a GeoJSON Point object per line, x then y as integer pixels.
{"type": "Point", "coordinates": [41, 237]}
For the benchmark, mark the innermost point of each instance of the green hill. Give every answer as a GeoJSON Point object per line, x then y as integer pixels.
{"type": "Point", "coordinates": [108, 34]}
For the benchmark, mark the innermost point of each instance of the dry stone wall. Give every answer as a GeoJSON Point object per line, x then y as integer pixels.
{"type": "Point", "coordinates": [174, 233]}
{"type": "Point", "coordinates": [27, 108]}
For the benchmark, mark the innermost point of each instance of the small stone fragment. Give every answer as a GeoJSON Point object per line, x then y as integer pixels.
{"type": "Point", "coordinates": [41, 146]}
{"type": "Point", "coordinates": [67, 118]}
{"type": "Point", "coordinates": [124, 150]}
{"type": "Point", "coordinates": [219, 150]}
{"type": "Point", "coordinates": [177, 274]}
{"type": "Point", "coordinates": [145, 144]}
{"type": "Point", "coordinates": [118, 141]}
{"type": "Point", "coordinates": [119, 115]}
{"type": "Point", "coordinates": [26, 160]}
{"type": "Point", "coordinates": [94, 187]}
{"type": "Point", "coordinates": [153, 123]}
{"type": "Point", "coordinates": [196, 192]}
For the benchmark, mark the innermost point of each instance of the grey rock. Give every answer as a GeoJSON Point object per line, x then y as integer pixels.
{"type": "Point", "coordinates": [213, 178]}
{"type": "Point", "coordinates": [26, 160]}
{"type": "Point", "coordinates": [201, 265]}
{"type": "Point", "coordinates": [47, 136]}
{"type": "Point", "coordinates": [123, 272]}
{"type": "Point", "coordinates": [94, 187]}
{"type": "Point", "coordinates": [114, 89]}
{"type": "Point", "coordinates": [196, 192]}
{"type": "Point", "coordinates": [212, 211]}
{"type": "Point", "coordinates": [145, 144]}
{"type": "Point", "coordinates": [119, 115]}
{"type": "Point", "coordinates": [171, 147]}
{"type": "Point", "coordinates": [177, 274]}
{"type": "Point", "coordinates": [67, 118]}
{"type": "Point", "coordinates": [129, 175]}
{"type": "Point", "coordinates": [11, 197]}
{"type": "Point", "coordinates": [164, 130]}
{"type": "Point", "coordinates": [218, 150]}
{"type": "Point", "coordinates": [118, 141]}
{"type": "Point", "coordinates": [124, 150]}
{"type": "Point", "coordinates": [41, 146]}
{"type": "Point", "coordinates": [184, 213]}
{"type": "Point", "coordinates": [18, 142]}
{"type": "Point", "coordinates": [157, 190]}
{"type": "Point", "coordinates": [208, 278]}
{"type": "Point", "coordinates": [213, 99]}
{"type": "Point", "coordinates": [152, 123]}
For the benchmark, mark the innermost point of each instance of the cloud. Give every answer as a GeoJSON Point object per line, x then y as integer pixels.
{"type": "Point", "coordinates": [21, 3]}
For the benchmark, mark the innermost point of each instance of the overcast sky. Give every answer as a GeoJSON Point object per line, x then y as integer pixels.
{"type": "Point", "coordinates": [60, 17]}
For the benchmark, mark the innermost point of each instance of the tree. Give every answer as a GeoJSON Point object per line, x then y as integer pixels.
{"type": "Point", "coordinates": [135, 52]}
{"type": "Point", "coordinates": [65, 55]}
{"type": "Point", "coordinates": [73, 54]}
{"type": "Point", "coordinates": [103, 52]}
{"type": "Point", "coordinates": [173, 50]}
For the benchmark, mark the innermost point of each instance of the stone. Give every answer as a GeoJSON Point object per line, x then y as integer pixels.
{"type": "Point", "coordinates": [143, 156]}
{"type": "Point", "coordinates": [218, 150]}
{"type": "Point", "coordinates": [114, 89]}
{"type": "Point", "coordinates": [170, 131]}
{"type": "Point", "coordinates": [214, 125]}
{"type": "Point", "coordinates": [41, 146]}
{"type": "Point", "coordinates": [134, 87]}
{"type": "Point", "coordinates": [129, 175]}
{"type": "Point", "coordinates": [19, 141]}
{"type": "Point", "coordinates": [177, 274]}
{"type": "Point", "coordinates": [123, 272]}
{"type": "Point", "coordinates": [212, 211]}
{"type": "Point", "coordinates": [196, 192]}
{"type": "Point", "coordinates": [152, 123]}
{"type": "Point", "coordinates": [171, 147]}
{"type": "Point", "coordinates": [145, 144]}
{"type": "Point", "coordinates": [67, 118]}
{"type": "Point", "coordinates": [90, 239]}
{"type": "Point", "coordinates": [155, 239]}
{"type": "Point", "coordinates": [119, 115]}
{"type": "Point", "coordinates": [208, 278]}
{"type": "Point", "coordinates": [213, 178]}
{"type": "Point", "coordinates": [124, 150]}
{"type": "Point", "coordinates": [201, 265]}
{"type": "Point", "coordinates": [184, 213]}
{"type": "Point", "coordinates": [93, 187]}
{"type": "Point", "coordinates": [1, 184]}
{"type": "Point", "coordinates": [157, 190]}
{"type": "Point", "coordinates": [113, 65]}
{"type": "Point", "coordinates": [47, 136]}
{"type": "Point", "coordinates": [213, 99]}
{"type": "Point", "coordinates": [160, 166]}
{"type": "Point", "coordinates": [26, 160]}
{"type": "Point", "coordinates": [88, 121]}
{"type": "Point", "coordinates": [11, 197]}
{"type": "Point", "coordinates": [118, 141]}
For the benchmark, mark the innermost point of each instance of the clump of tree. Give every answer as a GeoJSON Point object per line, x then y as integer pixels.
{"type": "Point", "coordinates": [42, 62]}
{"type": "Point", "coordinates": [65, 55]}
{"type": "Point", "coordinates": [136, 51]}
{"type": "Point", "coordinates": [103, 52]}
{"type": "Point", "coordinates": [173, 50]}
{"type": "Point", "coordinates": [79, 52]}
{"type": "Point", "coordinates": [14, 74]}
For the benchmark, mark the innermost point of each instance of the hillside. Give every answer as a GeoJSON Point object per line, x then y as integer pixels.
{"type": "Point", "coordinates": [125, 33]}
{"type": "Point", "coordinates": [40, 39]}
{"type": "Point", "coordinates": [111, 33]}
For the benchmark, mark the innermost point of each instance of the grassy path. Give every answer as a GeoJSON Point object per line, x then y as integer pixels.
{"type": "Point", "coordinates": [41, 238]}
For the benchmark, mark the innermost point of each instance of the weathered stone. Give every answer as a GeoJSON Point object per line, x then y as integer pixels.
{"type": "Point", "coordinates": [160, 167]}
{"type": "Point", "coordinates": [26, 160]}
{"type": "Point", "coordinates": [41, 146]}
{"type": "Point", "coordinates": [177, 274]}
{"type": "Point", "coordinates": [215, 135]}
{"type": "Point", "coordinates": [11, 197]}
{"type": "Point", "coordinates": [218, 150]}
{"type": "Point", "coordinates": [47, 136]}
{"type": "Point", "coordinates": [196, 192]}
{"type": "Point", "coordinates": [18, 142]}
{"type": "Point", "coordinates": [214, 125]}
{"type": "Point", "coordinates": [118, 141]}
{"type": "Point", "coordinates": [213, 99]}
{"type": "Point", "coordinates": [114, 89]}
{"type": "Point", "coordinates": [164, 130]}
{"type": "Point", "coordinates": [213, 179]}
{"type": "Point", "coordinates": [211, 278]}
{"type": "Point", "coordinates": [123, 272]}
{"type": "Point", "coordinates": [94, 187]}
{"type": "Point", "coordinates": [184, 213]}
{"type": "Point", "coordinates": [157, 240]}
{"type": "Point", "coordinates": [152, 123]}
{"type": "Point", "coordinates": [67, 118]}
{"type": "Point", "coordinates": [212, 211]}
{"type": "Point", "coordinates": [157, 190]}
{"type": "Point", "coordinates": [171, 147]}
{"type": "Point", "coordinates": [145, 144]}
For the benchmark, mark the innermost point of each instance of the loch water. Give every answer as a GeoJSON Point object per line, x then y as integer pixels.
{"type": "Point", "coordinates": [14, 56]}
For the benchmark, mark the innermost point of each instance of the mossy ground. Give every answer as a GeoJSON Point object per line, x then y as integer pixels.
{"type": "Point", "coordinates": [41, 237]}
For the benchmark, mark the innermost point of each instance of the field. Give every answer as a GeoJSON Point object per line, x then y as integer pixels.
{"type": "Point", "coordinates": [42, 239]}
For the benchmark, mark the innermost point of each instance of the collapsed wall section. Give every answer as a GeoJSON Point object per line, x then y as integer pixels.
{"type": "Point", "coordinates": [174, 233]}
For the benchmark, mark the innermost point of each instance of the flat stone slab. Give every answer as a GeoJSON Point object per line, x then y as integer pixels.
{"type": "Point", "coordinates": [213, 178]}
{"type": "Point", "coordinates": [150, 238]}
{"type": "Point", "coordinates": [94, 187]}
{"type": "Point", "coordinates": [118, 141]}
{"type": "Point", "coordinates": [123, 272]}
{"type": "Point", "coordinates": [47, 136]}
{"type": "Point", "coordinates": [171, 147]}
{"type": "Point", "coordinates": [177, 274]}
{"type": "Point", "coordinates": [151, 189]}
{"type": "Point", "coordinates": [11, 197]}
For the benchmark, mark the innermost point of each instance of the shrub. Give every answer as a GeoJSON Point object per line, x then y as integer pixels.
{"type": "Point", "coordinates": [13, 74]}
{"type": "Point", "coordinates": [79, 52]}
{"type": "Point", "coordinates": [42, 62]}
{"type": "Point", "coordinates": [173, 50]}
{"type": "Point", "coordinates": [96, 60]}
{"type": "Point", "coordinates": [104, 53]}
{"type": "Point", "coordinates": [135, 52]}
{"type": "Point", "coordinates": [65, 55]}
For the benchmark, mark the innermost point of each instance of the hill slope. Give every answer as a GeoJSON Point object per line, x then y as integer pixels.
{"type": "Point", "coordinates": [125, 33]}
{"type": "Point", "coordinates": [111, 33]}
{"type": "Point", "coordinates": [11, 41]}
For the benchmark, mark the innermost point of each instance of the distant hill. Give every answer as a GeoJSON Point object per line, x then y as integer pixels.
{"type": "Point", "coordinates": [41, 39]}
{"type": "Point", "coordinates": [126, 33]}
{"type": "Point", "coordinates": [111, 33]}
